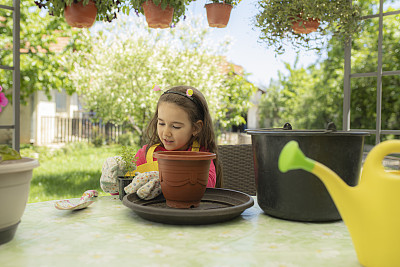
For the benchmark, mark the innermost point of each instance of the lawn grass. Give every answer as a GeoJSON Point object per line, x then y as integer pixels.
{"type": "Point", "coordinates": [67, 172]}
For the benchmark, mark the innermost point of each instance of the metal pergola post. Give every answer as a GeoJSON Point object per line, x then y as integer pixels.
{"type": "Point", "coordinates": [379, 77]}
{"type": "Point", "coordinates": [347, 86]}
{"type": "Point", "coordinates": [16, 74]}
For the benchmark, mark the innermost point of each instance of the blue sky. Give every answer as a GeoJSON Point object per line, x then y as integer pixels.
{"type": "Point", "coordinates": [246, 49]}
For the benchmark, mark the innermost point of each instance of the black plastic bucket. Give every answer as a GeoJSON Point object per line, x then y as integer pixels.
{"type": "Point", "coordinates": [122, 183]}
{"type": "Point", "coordinates": [299, 195]}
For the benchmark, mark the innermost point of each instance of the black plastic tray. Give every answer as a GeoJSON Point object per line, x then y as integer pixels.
{"type": "Point", "coordinates": [217, 205]}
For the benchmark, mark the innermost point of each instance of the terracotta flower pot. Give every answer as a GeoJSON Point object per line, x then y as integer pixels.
{"type": "Point", "coordinates": [156, 17]}
{"type": "Point", "coordinates": [15, 178]}
{"type": "Point", "coordinates": [183, 176]}
{"type": "Point", "coordinates": [301, 26]}
{"type": "Point", "coordinates": [80, 16]}
{"type": "Point", "coordinates": [218, 14]}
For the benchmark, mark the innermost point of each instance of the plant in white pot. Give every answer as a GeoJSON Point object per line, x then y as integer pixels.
{"type": "Point", "coordinates": [15, 178]}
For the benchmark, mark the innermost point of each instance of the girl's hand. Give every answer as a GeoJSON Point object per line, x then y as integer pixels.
{"type": "Point", "coordinates": [146, 185]}
{"type": "Point", "coordinates": [109, 175]}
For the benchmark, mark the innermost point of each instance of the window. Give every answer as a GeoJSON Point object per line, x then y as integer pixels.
{"type": "Point", "coordinates": [380, 76]}
{"type": "Point", "coordinates": [61, 101]}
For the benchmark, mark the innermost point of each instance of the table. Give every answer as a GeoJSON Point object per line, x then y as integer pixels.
{"type": "Point", "coordinates": [109, 234]}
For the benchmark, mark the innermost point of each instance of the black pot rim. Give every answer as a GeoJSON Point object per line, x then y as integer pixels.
{"type": "Point", "coordinates": [280, 132]}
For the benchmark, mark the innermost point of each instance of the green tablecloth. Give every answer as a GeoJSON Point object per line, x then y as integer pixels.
{"type": "Point", "coordinates": [109, 234]}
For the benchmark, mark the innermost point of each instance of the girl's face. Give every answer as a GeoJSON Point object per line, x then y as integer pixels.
{"type": "Point", "coordinates": [174, 127]}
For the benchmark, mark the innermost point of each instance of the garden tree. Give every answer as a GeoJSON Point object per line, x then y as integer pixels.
{"type": "Point", "coordinates": [116, 77]}
{"type": "Point", "coordinates": [297, 85]}
{"type": "Point", "coordinates": [40, 66]}
{"type": "Point", "coordinates": [290, 99]}
{"type": "Point", "coordinates": [314, 96]}
{"type": "Point", "coordinates": [270, 107]}
{"type": "Point", "coordinates": [235, 102]}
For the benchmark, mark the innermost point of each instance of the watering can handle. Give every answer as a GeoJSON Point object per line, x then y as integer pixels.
{"type": "Point", "coordinates": [378, 153]}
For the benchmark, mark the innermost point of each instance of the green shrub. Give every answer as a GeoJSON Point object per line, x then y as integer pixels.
{"type": "Point", "coordinates": [126, 139]}
{"type": "Point", "coordinates": [98, 140]}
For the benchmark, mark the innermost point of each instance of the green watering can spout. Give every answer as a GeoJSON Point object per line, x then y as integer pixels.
{"type": "Point", "coordinates": [292, 158]}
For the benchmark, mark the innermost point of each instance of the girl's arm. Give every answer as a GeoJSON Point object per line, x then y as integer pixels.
{"type": "Point", "coordinates": [212, 176]}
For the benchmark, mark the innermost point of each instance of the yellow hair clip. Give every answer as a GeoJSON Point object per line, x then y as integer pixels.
{"type": "Point", "coordinates": [189, 92]}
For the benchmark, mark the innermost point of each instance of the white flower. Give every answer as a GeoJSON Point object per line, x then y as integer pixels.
{"type": "Point", "coordinates": [230, 233]}
{"type": "Point", "coordinates": [280, 232]}
{"type": "Point", "coordinates": [179, 235]}
{"type": "Point", "coordinates": [129, 237]}
{"type": "Point", "coordinates": [327, 253]}
{"type": "Point", "coordinates": [157, 251]}
{"type": "Point", "coordinates": [97, 258]}
{"type": "Point", "coordinates": [280, 264]}
{"type": "Point", "coordinates": [215, 248]}
{"type": "Point", "coordinates": [271, 247]}
{"type": "Point", "coordinates": [328, 234]}
{"type": "Point", "coordinates": [76, 225]}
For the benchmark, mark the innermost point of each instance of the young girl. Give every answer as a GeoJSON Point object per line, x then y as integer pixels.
{"type": "Point", "coordinates": [182, 121]}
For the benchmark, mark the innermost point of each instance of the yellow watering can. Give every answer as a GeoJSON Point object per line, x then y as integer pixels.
{"type": "Point", "coordinates": [370, 210]}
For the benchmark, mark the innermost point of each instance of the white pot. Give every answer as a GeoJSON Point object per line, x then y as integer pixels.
{"type": "Point", "coordinates": [15, 177]}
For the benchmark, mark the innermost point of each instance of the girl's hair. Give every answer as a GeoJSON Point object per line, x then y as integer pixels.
{"type": "Point", "coordinates": [197, 109]}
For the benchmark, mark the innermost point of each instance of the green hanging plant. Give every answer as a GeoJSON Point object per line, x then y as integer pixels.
{"type": "Point", "coordinates": [179, 7]}
{"type": "Point", "coordinates": [228, 2]}
{"type": "Point", "coordinates": [276, 18]}
{"type": "Point", "coordinates": [106, 9]}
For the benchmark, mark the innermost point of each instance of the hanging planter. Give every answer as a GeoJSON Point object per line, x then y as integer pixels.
{"type": "Point", "coordinates": [83, 13]}
{"type": "Point", "coordinates": [218, 14]}
{"type": "Point", "coordinates": [81, 16]}
{"type": "Point", "coordinates": [161, 13]}
{"type": "Point", "coordinates": [301, 26]}
{"type": "Point", "coordinates": [283, 25]}
{"type": "Point", "coordinates": [156, 16]}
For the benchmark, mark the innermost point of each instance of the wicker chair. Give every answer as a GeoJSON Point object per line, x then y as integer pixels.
{"type": "Point", "coordinates": [237, 168]}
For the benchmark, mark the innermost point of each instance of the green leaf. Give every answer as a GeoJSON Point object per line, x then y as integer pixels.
{"type": "Point", "coordinates": [8, 153]}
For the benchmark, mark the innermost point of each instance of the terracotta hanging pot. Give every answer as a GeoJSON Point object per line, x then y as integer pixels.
{"type": "Point", "coordinates": [156, 17]}
{"type": "Point", "coordinates": [218, 14]}
{"type": "Point", "coordinates": [183, 176]}
{"type": "Point", "coordinates": [80, 16]}
{"type": "Point", "coordinates": [305, 26]}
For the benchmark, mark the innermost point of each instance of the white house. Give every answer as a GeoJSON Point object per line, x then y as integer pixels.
{"type": "Point", "coordinates": [36, 126]}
